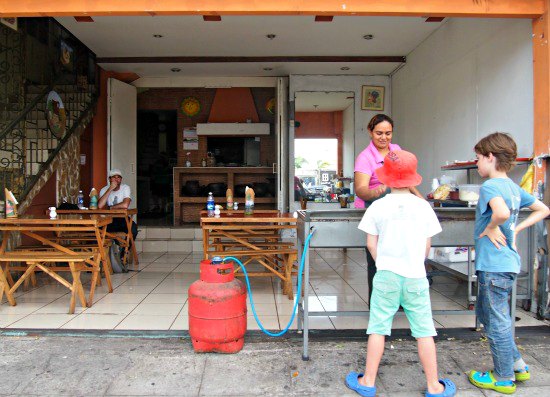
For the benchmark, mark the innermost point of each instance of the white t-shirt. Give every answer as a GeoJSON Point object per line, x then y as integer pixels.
{"type": "Point", "coordinates": [402, 223]}
{"type": "Point", "coordinates": [116, 196]}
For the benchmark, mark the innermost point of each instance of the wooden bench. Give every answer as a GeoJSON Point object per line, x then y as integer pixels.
{"type": "Point", "coordinates": [75, 239]}
{"type": "Point", "coordinates": [278, 261]}
{"type": "Point", "coordinates": [43, 260]}
{"type": "Point", "coordinates": [85, 247]}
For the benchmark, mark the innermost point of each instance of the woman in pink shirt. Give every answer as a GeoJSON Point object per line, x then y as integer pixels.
{"type": "Point", "coordinates": [367, 186]}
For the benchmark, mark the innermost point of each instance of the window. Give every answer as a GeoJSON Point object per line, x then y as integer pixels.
{"type": "Point", "coordinates": [315, 162]}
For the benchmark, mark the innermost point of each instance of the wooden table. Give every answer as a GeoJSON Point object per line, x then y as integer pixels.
{"type": "Point", "coordinates": [126, 241]}
{"type": "Point", "coordinates": [52, 250]}
{"type": "Point", "coordinates": [251, 238]}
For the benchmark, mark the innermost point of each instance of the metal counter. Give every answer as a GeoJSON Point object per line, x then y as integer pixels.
{"type": "Point", "coordinates": [338, 229]}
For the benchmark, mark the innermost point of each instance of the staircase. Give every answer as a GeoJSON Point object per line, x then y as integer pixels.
{"type": "Point", "coordinates": [27, 143]}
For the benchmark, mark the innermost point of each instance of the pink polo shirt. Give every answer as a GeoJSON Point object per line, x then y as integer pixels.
{"type": "Point", "coordinates": [369, 160]}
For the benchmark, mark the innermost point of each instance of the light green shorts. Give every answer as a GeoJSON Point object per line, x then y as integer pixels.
{"type": "Point", "coordinates": [391, 290]}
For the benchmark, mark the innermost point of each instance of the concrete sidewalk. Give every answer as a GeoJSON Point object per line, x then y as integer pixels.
{"type": "Point", "coordinates": [147, 364]}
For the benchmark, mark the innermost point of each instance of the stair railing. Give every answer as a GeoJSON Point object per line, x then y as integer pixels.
{"type": "Point", "coordinates": [30, 142]}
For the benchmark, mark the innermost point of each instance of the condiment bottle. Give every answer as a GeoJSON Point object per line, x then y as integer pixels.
{"type": "Point", "coordinates": [249, 201]}
{"type": "Point", "coordinates": [229, 197]}
{"type": "Point", "coordinates": [93, 199]}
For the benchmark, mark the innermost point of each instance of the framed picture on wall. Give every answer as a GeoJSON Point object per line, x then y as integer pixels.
{"type": "Point", "coordinates": [67, 56]}
{"type": "Point", "coordinates": [372, 98]}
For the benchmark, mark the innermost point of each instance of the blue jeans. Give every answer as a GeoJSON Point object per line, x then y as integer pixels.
{"type": "Point", "coordinates": [493, 311]}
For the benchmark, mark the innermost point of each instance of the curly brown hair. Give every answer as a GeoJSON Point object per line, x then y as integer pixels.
{"type": "Point", "coordinates": [503, 147]}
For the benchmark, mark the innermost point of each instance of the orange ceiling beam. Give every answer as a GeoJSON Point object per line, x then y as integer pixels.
{"type": "Point", "coordinates": [419, 8]}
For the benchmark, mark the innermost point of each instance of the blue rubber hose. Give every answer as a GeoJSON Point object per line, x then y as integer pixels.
{"type": "Point", "coordinates": [298, 293]}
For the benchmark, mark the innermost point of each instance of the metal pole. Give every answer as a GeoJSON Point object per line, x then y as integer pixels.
{"type": "Point", "coordinates": [305, 355]}
{"type": "Point", "coordinates": [513, 307]}
{"type": "Point", "coordinates": [300, 320]}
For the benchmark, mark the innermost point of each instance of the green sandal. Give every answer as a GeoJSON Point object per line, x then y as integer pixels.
{"type": "Point", "coordinates": [522, 376]}
{"type": "Point", "coordinates": [486, 380]}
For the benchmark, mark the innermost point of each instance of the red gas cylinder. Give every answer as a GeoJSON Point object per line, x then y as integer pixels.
{"type": "Point", "coordinates": [217, 309]}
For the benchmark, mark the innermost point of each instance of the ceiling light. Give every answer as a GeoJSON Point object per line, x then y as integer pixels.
{"type": "Point", "coordinates": [434, 19]}
{"type": "Point", "coordinates": [270, 36]}
{"type": "Point", "coordinates": [83, 19]}
{"type": "Point", "coordinates": [323, 18]}
{"type": "Point", "coordinates": [158, 36]}
{"type": "Point", "coordinates": [368, 37]}
{"type": "Point", "coordinates": [268, 69]}
{"type": "Point", "coordinates": [175, 70]}
{"type": "Point", "coordinates": [344, 68]}
{"type": "Point", "coordinates": [211, 18]}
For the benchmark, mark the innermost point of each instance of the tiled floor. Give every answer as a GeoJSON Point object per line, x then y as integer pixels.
{"type": "Point", "coordinates": [155, 298]}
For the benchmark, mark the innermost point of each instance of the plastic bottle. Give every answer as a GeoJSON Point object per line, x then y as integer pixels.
{"type": "Point", "coordinates": [93, 199]}
{"type": "Point", "coordinates": [229, 199]}
{"type": "Point", "coordinates": [80, 199]}
{"type": "Point", "coordinates": [435, 184]}
{"type": "Point", "coordinates": [210, 206]}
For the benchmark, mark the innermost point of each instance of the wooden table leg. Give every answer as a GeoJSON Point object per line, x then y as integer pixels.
{"type": "Point", "coordinates": [104, 256]}
{"type": "Point", "coordinates": [5, 287]}
{"type": "Point", "coordinates": [205, 242]}
{"type": "Point", "coordinates": [130, 243]}
{"type": "Point", "coordinates": [27, 273]}
{"type": "Point", "coordinates": [95, 277]}
{"type": "Point", "coordinates": [76, 288]}
{"type": "Point", "coordinates": [289, 265]}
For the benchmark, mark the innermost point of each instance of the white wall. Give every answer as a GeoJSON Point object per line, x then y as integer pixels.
{"type": "Point", "coordinates": [348, 134]}
{"type": "Point", "coordinates": [337, 83]}
{"type": "Point", "coordinates": [469, 78]}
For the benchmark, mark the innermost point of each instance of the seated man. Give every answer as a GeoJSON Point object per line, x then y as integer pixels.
{"type": "Point", "coordinates": [116, 195]}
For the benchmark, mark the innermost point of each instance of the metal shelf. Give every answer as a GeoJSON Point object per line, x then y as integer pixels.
{"type": "Point", "coordinates": [471, 165]}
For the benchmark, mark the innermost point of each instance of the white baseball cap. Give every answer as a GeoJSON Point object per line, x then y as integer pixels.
{"type": "Point", "coordinates": [115, 171]}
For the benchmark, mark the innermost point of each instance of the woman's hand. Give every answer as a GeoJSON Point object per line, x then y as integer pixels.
{"type": "Point", "coordinates": [380, 190]}
{"type": "Point", "coordinates": [495, 235]}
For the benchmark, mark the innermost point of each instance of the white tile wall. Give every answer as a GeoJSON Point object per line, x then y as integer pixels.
{"type": "Point", "coordinates": [155, 246]}
{"type": "Point", "coordinates": [197, 246]}
{"type": "Point", "coordinates": [158, 233]}
{"type": "Point", "coordinates": [180, 246]}
{"type": "Point", "coordinates": [183, 234]}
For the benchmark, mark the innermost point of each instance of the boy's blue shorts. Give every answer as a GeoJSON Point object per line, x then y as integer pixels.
{"type": "Point", "coordinates": [391, 290]}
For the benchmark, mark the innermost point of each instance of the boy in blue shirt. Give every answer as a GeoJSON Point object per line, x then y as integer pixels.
{"type": "Point", "coordinates": [497, 260]}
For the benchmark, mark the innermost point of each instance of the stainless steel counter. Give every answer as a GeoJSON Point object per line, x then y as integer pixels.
{"type": "Point", "coordinates": [338, 229]}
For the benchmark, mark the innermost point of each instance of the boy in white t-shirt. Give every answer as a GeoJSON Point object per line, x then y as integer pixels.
{"type": "Point", "coordinates": [399, 228]}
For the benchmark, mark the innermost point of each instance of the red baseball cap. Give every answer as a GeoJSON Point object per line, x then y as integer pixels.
{"type": "Point", "coordinates": [399, 170]}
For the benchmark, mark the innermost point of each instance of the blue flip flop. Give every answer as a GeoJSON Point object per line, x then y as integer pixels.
{"type": "Point", "coordinates": [352, 381]}
{"type": "Point", "coordinates": [450, 389]}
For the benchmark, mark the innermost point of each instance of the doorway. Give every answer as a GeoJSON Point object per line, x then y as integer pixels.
{"type": "Point", "coordinates": [323, 143]}
{"type": "Point", "coordinates": [156, 157]}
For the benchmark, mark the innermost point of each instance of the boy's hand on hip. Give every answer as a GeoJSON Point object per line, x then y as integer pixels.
{"type": "Point", "coordinates": [495, 235]}
{"type": "Point", "coordinates": [514, 246]}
